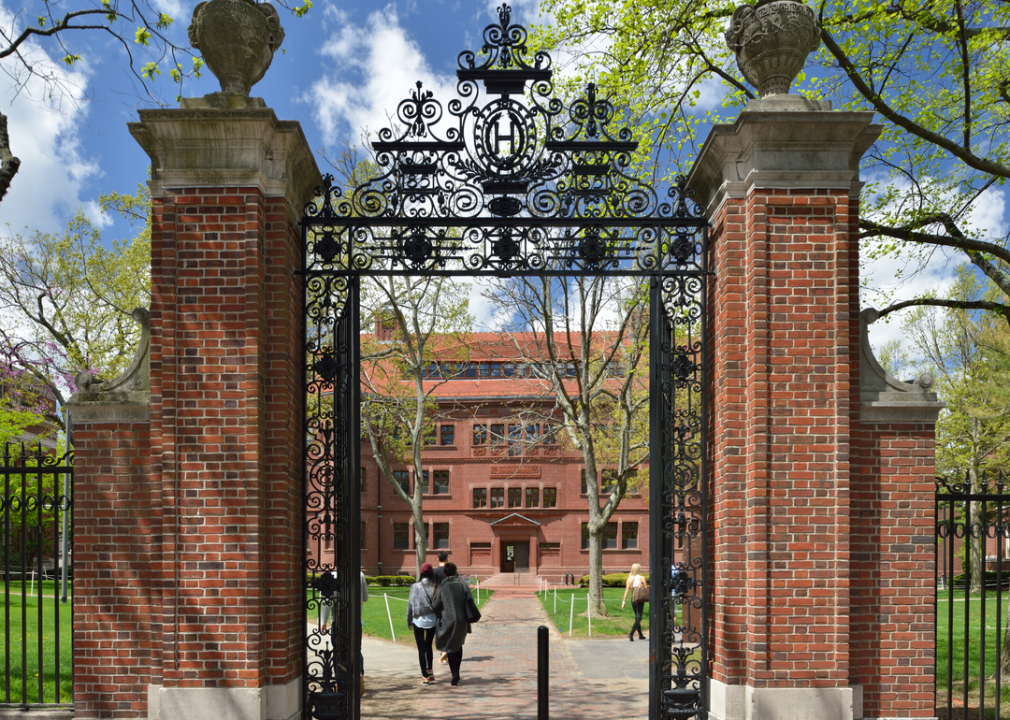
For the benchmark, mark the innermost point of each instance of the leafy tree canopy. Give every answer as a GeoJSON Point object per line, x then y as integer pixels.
{"type": "Point", "coordinates": [933, 72]}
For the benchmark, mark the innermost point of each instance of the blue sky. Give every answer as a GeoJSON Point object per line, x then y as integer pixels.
{"type": "Point", "coordinates": [344, 66]}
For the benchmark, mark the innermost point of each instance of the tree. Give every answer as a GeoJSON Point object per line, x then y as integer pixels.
{"type": "Point", "coordinates": [966, 350]}
{"type": "Point", "coordinates": [586, 339]}
{"type": "Point", "coordinates": [932, 71]}
{"type": "Point", "coordinates": [422, 315]}
{"type": "Point", "coordinates": [145, 34]}
{"type": "Point", "coordinates": [65, 300]}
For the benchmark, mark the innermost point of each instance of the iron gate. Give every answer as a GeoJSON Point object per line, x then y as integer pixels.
{"type": "Point", "coordinates": [35, 537]}
{"type": "Point", "coordinates": [509, 182]}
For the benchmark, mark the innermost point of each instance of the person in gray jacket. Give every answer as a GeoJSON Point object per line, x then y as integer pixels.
{"type": "Point", "coordinates": [421, 617]}
{"type": "Point", "coordinates": [452, 626]}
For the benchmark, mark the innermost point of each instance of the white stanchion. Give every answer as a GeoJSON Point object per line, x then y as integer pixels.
{"type": "Point", "coordinates": [555, 598]}
{"type": "Point", "coordinates": [571, 616]}
{"type": "Point", "coordinates": [589, 614]}
{"type": "Point", "coordinates": [388, 615]}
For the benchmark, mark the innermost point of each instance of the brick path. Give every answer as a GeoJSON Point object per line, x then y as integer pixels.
{"type": "Point", "coordinates": [499, 676]}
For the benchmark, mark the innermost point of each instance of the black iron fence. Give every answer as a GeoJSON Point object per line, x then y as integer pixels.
{"type": "Point", "coordinates": [36, 566]}
{"type": "Point", "coordinates": [972, 612]}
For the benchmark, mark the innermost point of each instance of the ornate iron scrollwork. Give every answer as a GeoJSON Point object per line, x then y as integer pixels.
{"type": "Point", "coordinates": [505, 179]}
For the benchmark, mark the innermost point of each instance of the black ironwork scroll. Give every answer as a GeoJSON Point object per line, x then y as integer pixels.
{"type": "Point", "coordinates": [507, 180]}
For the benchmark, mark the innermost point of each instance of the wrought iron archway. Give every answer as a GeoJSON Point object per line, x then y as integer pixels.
{"type": "Point", "coordinates": [508, 181]}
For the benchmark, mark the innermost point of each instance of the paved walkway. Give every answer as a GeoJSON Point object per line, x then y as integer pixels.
{"type": "Point", "coordinates": [604, 679]}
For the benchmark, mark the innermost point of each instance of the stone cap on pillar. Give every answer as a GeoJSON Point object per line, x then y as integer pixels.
{"type": "Point", "coordinates": [781, 143]}
{"type": "Point", "coordinates": [127, 398]}
{"type": "Point", "coordinates": [884, 398]}
{"type": "Point", "coordinates": [207, 144]}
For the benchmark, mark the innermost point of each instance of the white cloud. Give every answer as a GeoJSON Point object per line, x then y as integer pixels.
{"type": "Point", "coordinates": [374, 69]}
{"type": "Point", "coordinates": [43, 118]}
{"type": "Point", "coordinates": [93, 211]}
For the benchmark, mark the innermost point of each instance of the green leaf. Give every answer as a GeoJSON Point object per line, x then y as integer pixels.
{"type": "Point", "coordinates": [163, 21]}
{"type": "Point", "coordinates": [143, 36]}
{"type": "Point", "coordinates": [71, 59]}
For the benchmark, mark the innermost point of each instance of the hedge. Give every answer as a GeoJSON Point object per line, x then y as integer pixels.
{"type": "Point", "coordinates": [611, 579]}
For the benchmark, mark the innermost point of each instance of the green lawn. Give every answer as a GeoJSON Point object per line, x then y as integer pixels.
{"type": "Point", "coordinates": [376, 620]}
{"type": "Point", "coordinates": [31, 634]}
{"type": "Point", "coordinates": [956, 652]}
{"type": "Point", "coordinates": [617, 622]}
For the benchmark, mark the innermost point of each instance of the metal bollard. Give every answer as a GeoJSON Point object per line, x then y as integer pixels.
{"type": "Point", "coordinates": [542, 669]}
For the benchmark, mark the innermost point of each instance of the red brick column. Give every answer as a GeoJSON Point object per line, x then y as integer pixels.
{"type": "Point", "coordinates": [781, 186]}
{"type": "Point", "coordinates": [224, 460]}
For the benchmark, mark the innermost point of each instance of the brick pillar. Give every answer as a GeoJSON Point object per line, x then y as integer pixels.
{"type": "Point", "coordinates": [227, 618]}
{"type": "Point", "coordinates": [781, 187]}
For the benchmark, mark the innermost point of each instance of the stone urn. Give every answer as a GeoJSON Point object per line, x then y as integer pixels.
{"type": "Point", "coordinates": [237, 39]}
{"type": "Point", "coordinates": [771, 40]}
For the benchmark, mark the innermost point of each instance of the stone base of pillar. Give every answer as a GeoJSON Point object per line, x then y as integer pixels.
{"type": "Point", "coordinates": [743, 702]}
{"type": "Point", "coordinates": [273, 702]}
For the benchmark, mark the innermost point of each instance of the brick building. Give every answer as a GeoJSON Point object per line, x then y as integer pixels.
{"type": "Point", "coordinates": [505, 491]}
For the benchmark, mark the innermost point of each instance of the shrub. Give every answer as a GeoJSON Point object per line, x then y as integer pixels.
{"type": "Point", "coordinates": [611, 580]}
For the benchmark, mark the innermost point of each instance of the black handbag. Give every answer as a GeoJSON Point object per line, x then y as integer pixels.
{"type": "Point", "coordinates": [472, 613]}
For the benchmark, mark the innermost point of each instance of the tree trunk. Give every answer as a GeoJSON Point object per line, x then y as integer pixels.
{"type": "Point", "coordinates": [596, 605]}
{"type": "Point", "coordinates": [974, 516]}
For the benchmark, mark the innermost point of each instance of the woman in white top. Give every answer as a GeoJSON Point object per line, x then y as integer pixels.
{"type": "Point", "coordinates": [421, 616]}
{"type": "Point", "coordinates": [635, 580]}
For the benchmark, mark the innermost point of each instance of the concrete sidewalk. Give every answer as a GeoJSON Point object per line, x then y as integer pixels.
{"type": "Point", "coordinates": [599, 679]}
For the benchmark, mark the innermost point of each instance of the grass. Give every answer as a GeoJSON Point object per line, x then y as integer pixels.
{"type": "Point", "coordinates": [30, 604]}
{"type": "Point", "coordinates": [617, 622]}
{"type": "Point", "coordinates": [376, 621]}
{"type": "Point", "coordinates": [957, 652]}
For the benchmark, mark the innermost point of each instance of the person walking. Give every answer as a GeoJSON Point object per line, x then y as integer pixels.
{"type": "Point", "coordinates": [452, 626]}
{"type": "Point", "coordinates": [639, 596]}
{"type": "Point", "coordinates": [421, 617]}
{"type": "Point", "coordinates": [443, 558]}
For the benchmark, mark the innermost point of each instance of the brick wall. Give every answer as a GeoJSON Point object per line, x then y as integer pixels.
{"type": "Point", "coordinates": [117, 524]}
{"type": "Point", "coordinates": [224, 423]}
{"type": "Point", "coordinates": [782, 322]}
{"type": "Point", "coordinates": [893, 555]}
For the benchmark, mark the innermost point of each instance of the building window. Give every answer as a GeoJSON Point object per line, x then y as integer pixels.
{"type": "Point", "coordinates": [532, 434]}
{"type": "Point", "coordinates": [440, 480]}
{"type": "Point", "coordinates": [497, 434]}
{"type": "Point", "coordinates": [550, 497]}
{"type": "Point", "coordinates": [484, 369]}
{"type": "Point", "coordinates": [328, 541]}
{"type": "Point", "coordinates": [429, 436]}
{"type": "Point", "coordinates": [629, 535]}
{"type": "Point", "coordinates": [495, 370]}
{"type": "Point", "coordinates": [480, 434]}
{"type": "Point", "coordinates": [362, 538]}
{"type": "Point", "coordinates": [585, 489]}
{"type": "Point", "coordinates": [550, 546]}
{"type": "Point", "coordinates": [609, 481]}
{"type": "Point", "coordinates": [550, 435]}
{"type": "Point", "coordinates": [448, 435]}
{"type": "Point", "coordinates": [424, 482]}
{"type": "Point", "coordinates": [497, 497]}
{"type": "Point", "coordinates": [402, 478]}
{"type": "Point", "coordinates": [585, 536]}
{"type": "Point", "coordinates": [610, 536]}
{"type": "Point", "coordinates": [515, 440]}
{"type": "Point", "coordinates": [532, 497]}
{"type": "Point", "coordinates": [361, 478]}
{"type": "Point", "coordinates": [441, 536]}
{"type": "Point", "coordinates": [480, 497]}
{"type": "Point", "coordinates": [515, 497]}
{"type": "Point", "coordinates": [401, 536]}
{"type": "Point", "coordinates": [508, 369]}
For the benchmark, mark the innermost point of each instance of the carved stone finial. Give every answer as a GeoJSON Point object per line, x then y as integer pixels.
{"type": "Point", "coordinates": [237, 39]}
{"type": "Point", "coordinates": [772, 40]}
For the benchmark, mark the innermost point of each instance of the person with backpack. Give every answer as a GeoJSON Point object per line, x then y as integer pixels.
{"type": "Point", "coordinates": [639, 589]}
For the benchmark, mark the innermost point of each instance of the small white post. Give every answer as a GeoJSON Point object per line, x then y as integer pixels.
{"type": "Point", "coordinates": [571, 615]}
{"type": "Point", "coordinates": [589, 614]}
{"type": "Point", "coordinates": [32, 591]}
{"type": "Point", "coordinates": [478, 591]}
{"type": "Point", "coordinates": [555, 598]}
{"type": "Point", "coordinates": [388, 615]}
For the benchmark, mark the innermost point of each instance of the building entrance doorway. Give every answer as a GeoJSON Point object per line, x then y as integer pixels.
{"type": "Point", "coordinates": [506, 181]}
{"type": "Point", "coordinates": [515, 557]}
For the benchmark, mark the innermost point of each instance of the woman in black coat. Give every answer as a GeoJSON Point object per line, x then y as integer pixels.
{"type": "Point", "coordinates": [452, 626]}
